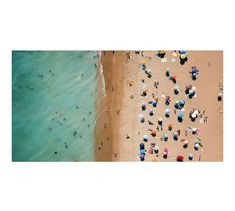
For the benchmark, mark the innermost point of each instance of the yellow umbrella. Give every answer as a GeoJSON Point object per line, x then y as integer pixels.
{"type": "Point", "coordinates": [182, 56]}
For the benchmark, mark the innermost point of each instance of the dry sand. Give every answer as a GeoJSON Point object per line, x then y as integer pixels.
{"type": "Point", "coordinates": [112, 143]}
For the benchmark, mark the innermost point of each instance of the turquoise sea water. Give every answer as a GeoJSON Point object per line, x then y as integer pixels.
{"type": "Point", "coordinates": [53, 105]}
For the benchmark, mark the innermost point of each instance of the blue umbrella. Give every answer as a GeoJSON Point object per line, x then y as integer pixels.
{"type": "Point", "coordinates": [167, 111]}
{"type": "Point", "coordinates": [141, 157]}
{"type": "Point", "coordinates": [194, 69]}
{"type": "Point", "coordinates": [141, 145]}
{"type": "Point", "coordinates": [181, 102]}
{"type": "Point", "coordinates": [142, 152]}
{"type": "Point", "coordinates": [182, 52]}
{"type": "Point", "coordinates": [180, 115]}
{"type": "Point", "coordinates": [154, 102]}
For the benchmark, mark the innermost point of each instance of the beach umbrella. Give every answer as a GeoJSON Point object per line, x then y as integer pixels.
{"type": "Point", "coordinates": [191, 91]}
{"type": "Point", "coordinates": [194, 130]}
{"type": "Point", "coordinates": [154, 132]}
{"type": "Point", "coordinates": [194, 75]}
{"type": "Point", "coordinates": [180, 115]}
{"type": "Point", "coordinates": [182, 56]}
{"type": "Point", "coordinates": [194, 69]}
{"type": "Point", "coordinates": [156, 149]}
{"type": "Point", "coordinates": [141, 145]}
{"type": "Point", "coordinates": [142, 151]}
{"type": "Point", "coordinates": [151, 112]}
{"type": "Point", "coordinates": [194, 88]}
{"type": "Point", "coordinates": [148, 71]}
{"type": "Point", "coordinates": [165, 136]}
{"type": "Point", "coordinates": [142, 157]}
{"type": "Point", "coordinates": [142, 66]}
{"type": "Point", "coordinates": [170, 127]}
{"type": "Point", "coordinates": [185, 142]}
{"type": "Point", "coordinates": [176, 87]}
{"type": "Point", "coordinates": [193, 115]}
{"type": "Point", "coordinates": [143, 106]}
{"type": "Point", "coordinates": [154, 103]}
{"type": "Point", "coordinates": [167, 111]}
{"type": "Point", "coordinates": [181, 102]}
{"type": "Point", "coordinates": [180, 158]}
{"type": "Point", "coordinates": [219, 97]}
{"type": "Point", "coordinates": [145, 138]}
{"type": "Point", "coordinates": [182, 52]}
{"type": "Point", "coordinates": [175, 134]}
{"type": "Point", "coordinates": [190, 156]}
{"type": "Point", "coordinates": [153, 144]}
{"type": "Point", "coordinates": [160, 121]}
{"type": "Point", "coordinates": [199, 142]}
{"type": "Point", "coordinates": [196, 146]}
{"type": "Point", "coordinates": [141, 117]}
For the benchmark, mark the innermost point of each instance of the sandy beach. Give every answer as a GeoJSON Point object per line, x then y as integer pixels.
{"type": "Point", "coordinates": [118, 129]}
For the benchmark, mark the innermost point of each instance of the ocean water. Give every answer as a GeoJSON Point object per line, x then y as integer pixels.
{"type": "Point", "coordinates": [54, 99]}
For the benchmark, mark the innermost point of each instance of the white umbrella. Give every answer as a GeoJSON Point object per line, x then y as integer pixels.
{"type": "Point", "coordinates": [185, 142]}
{"type": "Point", "coordinates": [193, 115]}
{"type": "Point", "coordinates": [145, 137]}
{"type": "Point", "coordinates": [196, 112]}
{"type": "Point", "coordinates": [196, 145]}
{"type": "Point", "coordinates": [176, 87]}
{"type": "Point", "coordinates": [190, 91]}
{"type": "Point", "coordinates": [190, 156]}
{"type": "Point", "coordinates": [141, 117]}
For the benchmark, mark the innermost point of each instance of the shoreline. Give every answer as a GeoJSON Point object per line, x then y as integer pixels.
{"type": "Point", "coordinates": [107, 119]}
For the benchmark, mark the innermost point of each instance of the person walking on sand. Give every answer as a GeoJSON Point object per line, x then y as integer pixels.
{"type": "Point", "coordinates": [128, 56]}
{"type": "Point", "coordinates": [178, 131]}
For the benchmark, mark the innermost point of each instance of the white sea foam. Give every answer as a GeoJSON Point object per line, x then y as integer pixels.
{"type": "Point", "coordinates": [101, 74]}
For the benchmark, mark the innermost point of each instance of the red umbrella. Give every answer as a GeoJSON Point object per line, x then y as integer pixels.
{"type": "Point", "coordinates": [180, 158]}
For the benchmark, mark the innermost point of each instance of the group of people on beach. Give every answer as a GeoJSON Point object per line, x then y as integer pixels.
{"type": "Point", "coordinates": [190, 92]}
